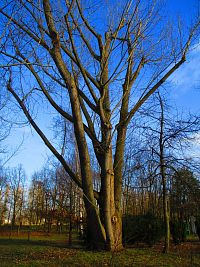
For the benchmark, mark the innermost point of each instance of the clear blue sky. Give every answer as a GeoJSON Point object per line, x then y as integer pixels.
{"type": "Point", "coordinates": [184, 92]}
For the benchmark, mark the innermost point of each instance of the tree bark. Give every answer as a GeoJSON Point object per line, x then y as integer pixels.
{"type": "Point", "coordinates": [163, 176]}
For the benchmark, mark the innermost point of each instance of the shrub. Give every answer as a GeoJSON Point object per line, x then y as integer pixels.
{"type": "Point", "coordinates": [178, 229]}
{"type": "Point", "coordinates": [143, 228]}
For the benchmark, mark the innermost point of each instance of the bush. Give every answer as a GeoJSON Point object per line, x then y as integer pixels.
{"type": "Point", "coordinates": [178, 229]}
{"type": "Point", "coordinates": [197, 226]}
{"type": "Point", "coordinates": [143, 228]}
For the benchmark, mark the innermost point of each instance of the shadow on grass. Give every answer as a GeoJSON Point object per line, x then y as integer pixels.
{"type": "Point", "coordinates": [45, 243]}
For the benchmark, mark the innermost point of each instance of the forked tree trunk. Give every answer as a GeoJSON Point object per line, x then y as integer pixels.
{"type": "Point", "coordinates": [95, 230]}
{"type": "Point", "coordinates": [104, 223]}
{"type": "Point", "coordinates": [111, 213]}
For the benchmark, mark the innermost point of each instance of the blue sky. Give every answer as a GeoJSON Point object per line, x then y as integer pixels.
{"type": "Point", "coordinates": [183, 7]}
{"type": "Point", "coordinates": [184, 91]}
{"type": "Point", "coordinates": [185, 84]}
{"type": "Point", "coordinates": [29, 149]}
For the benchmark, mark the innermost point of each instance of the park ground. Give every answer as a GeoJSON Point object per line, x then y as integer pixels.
{"type": "Point", "coordinates": [40, 249]}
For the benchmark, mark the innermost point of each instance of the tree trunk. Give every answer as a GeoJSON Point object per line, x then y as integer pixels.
{"type": "Point", "coordinates": [165, 211]}
{"type": "Point", "coordinates": [14, 213]}
{"type": "Point", "coordinates": [95, 232]}
{"type": "Point", "coordinates": [111, 215]}
{"type": "Point", "coordinates": [163, 176]}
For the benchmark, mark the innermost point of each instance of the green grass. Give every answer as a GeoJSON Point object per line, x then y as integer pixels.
{"type": "Point", "coordinates": [52, 251]}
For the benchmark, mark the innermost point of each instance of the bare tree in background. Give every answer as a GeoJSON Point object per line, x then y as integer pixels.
{"type": "Point", "coordinates": [96, 71]}
{"type": "Point", "coordinates": [16, 183]}
{"type": "Point", "coordinates": [4, 192]}
{"type": "Point", "coordinates": [168, 138]}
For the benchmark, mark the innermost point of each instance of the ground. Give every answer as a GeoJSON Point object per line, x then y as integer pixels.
{"type": "Point", "coordinates": [40, 249]}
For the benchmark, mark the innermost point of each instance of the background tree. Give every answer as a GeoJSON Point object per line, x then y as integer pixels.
{"type": "Point", "coordinates": [184, 195]}
{"type": "Point", "coordinates": [16, 178]}
{"type": "Point", "coordinates": [4, 194]}
{"type": "Point", "coordinates": [164, 145]}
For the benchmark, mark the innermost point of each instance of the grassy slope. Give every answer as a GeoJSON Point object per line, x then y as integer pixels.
{"type": "Point", "coordinates": [51, 251]}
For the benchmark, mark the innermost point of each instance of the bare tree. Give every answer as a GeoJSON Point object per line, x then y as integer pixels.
{"type": "Point", "coordinates": [168, 136]}
{"type": "Point", "coordinates": [16, 183]}
{"type": "Point", "coordinates": [96, 76]}
{"type": "Point", "coordinates": [4, 190]}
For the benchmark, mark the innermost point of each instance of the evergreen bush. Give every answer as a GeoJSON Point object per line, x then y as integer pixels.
{"type": "Point", "coordinates": [142, 228]}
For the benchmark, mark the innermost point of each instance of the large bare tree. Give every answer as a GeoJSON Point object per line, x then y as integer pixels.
{"type": "Point", "coordinates": [96, 70]}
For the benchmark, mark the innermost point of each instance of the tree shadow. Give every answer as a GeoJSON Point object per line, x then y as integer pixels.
{"type": "Point", "coordinates": [43, 243]}
{"type": "Point", "coordinates": [46, 243]}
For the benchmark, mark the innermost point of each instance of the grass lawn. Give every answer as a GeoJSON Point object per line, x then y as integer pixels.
{"type": "Point", "coordinates": [52, 251]}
